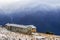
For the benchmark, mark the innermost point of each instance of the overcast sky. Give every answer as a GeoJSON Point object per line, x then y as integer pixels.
{"type": "Point", "coordinates": [11, 5]}
{"type": "Point", "coordinates": [57, 2]}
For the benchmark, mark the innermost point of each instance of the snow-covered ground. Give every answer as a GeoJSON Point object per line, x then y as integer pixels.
{"type": "Point", "coordinates": [9, 35]}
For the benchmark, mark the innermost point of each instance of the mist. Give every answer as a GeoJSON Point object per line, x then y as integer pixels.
{"type": "Point", "coordinates": [10, 6]}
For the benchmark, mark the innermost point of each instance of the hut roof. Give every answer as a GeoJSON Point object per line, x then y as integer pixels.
{"type": "Point", "coordinates": [21, 26]}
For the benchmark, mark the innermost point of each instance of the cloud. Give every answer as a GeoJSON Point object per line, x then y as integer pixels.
{"type": "Point", "coordinates": [9, 6]}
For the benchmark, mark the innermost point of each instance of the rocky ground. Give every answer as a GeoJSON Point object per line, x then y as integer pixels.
{"type": "Point", "coordinates": [9, 35]}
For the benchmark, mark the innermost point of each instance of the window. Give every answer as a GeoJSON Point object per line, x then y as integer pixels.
{"type": "Point", "coordinates": [19, 39]}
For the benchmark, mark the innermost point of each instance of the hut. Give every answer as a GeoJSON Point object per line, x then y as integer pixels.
{"type": "Point", "coordinates": [20, 28]}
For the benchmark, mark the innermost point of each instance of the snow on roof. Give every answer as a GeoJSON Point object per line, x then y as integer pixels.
{"type": "Point", "coordinates": [22, 26]}
{"type": "Point", "coordinates": [39, 37]}
{"type": "Point", "coordinates": [31, 26]}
